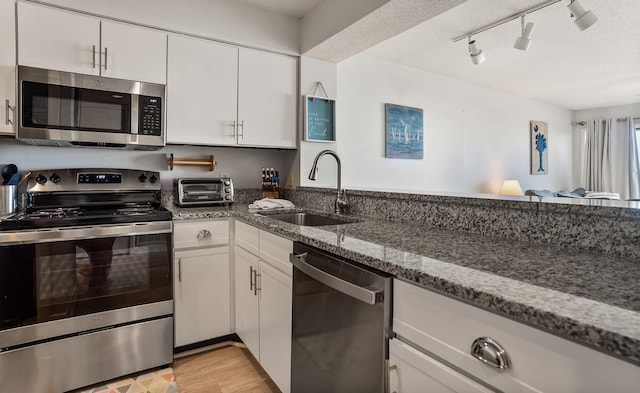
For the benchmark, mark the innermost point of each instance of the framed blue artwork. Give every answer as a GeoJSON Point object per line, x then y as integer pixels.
{"type": "Point", "coordinates": [404, 135]}
{"type": "Point", "coordinates": [319, 119]}
{"type": "Point", "coordinates": [539, 148]}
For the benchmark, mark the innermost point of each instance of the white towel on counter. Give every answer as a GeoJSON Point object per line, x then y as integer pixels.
{"type": "Point", "coordinates": [272, 204]}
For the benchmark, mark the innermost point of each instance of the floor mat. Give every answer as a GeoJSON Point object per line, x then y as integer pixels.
{"type": "Point", "coordinates": [161, 381]}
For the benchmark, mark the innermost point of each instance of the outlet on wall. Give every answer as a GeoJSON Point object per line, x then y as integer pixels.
{"type": "Point", "coordinates": [224, 174]}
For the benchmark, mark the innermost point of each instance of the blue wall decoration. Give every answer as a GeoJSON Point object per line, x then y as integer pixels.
{"type": "Point", "coordinates": [319, 119]}
{"type": "Point", "coordinates": [539, 148]}
{"type": "Point", "coordinates": [404, 136]}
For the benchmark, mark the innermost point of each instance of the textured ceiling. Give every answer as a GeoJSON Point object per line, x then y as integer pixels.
{"type": "Point", "coordinates": [563, 66]}
{"type": "Point", "coordinates": [295, 8]}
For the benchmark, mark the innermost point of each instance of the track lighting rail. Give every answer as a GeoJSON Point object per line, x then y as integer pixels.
{"type": "Point", "coordinates": [507, 19]}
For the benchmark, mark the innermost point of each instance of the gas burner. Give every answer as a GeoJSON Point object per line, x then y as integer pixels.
{"type": "Point", "coordinates": [61, 212]}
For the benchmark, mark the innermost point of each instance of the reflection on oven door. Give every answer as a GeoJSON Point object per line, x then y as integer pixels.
{"type": "Point", "coordinates": [56, 280]}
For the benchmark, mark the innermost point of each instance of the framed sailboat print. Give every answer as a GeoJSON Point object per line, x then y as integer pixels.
{"type": "Point", "coordinates": [404, 135]}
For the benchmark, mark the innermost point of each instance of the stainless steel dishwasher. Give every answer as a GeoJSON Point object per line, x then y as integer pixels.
{"type": "Point", "coordinates": [341, 324]}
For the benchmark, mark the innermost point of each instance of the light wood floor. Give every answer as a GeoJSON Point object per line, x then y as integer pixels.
{"type": "Point", "coordinates": [225, 370]}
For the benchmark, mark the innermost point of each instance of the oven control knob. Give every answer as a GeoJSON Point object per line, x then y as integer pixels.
{"type": "Point", "coordinates": [227, 190]}
{"type": "Point", "coordinates": [142, 178]}
{"type": "Point", "coordinates": [228, 197]}
{"type": "Point", "coordinates": [153, 179]}
{"type": "Point", "coordinates": [55, 178]}
{"type": "Point", "coordinates": [41, 179]}
{"type": "Point", "coordinates": [227, 183]}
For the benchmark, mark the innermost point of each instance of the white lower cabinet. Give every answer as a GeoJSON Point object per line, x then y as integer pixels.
{"type": "Point", "coordinates": [202, 282]}
{"type": "Point", "coordinates": [263, 287]}
{"type": "Point", "coordinates": [414, 372]}
{"type": "Point", "coordinates": [439, 327]}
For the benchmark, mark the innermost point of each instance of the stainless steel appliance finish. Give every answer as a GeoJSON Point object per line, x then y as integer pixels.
{"type": "Point", "coordinates": [203, 192]}
{"type": "Point", "coordinates": [341, 324]}
{"type": "Point", "coordinates": [85, 280]}
{"type": "Point", "coordinates": [58, 108]}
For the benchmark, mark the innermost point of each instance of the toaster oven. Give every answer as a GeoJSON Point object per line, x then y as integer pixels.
{"type": "Point", "coordinates": [203, 192]}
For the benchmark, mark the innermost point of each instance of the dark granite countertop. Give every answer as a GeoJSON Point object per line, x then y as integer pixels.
{"type": "Point", "coordinates": [590, 298]}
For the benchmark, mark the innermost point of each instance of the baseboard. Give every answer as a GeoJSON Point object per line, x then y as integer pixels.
{"type": "Point", "coordinates": [207, 345]}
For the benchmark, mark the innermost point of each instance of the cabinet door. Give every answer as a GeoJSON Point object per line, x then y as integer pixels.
{"type": "Point", "coordinates": [247, 317]}
{"type": "Point", "coordinates": [133, 52]}
{"type": "Point", "coordinates": [58, 40]}
{"type": "Point", "coordinates": [275, 324]}
{"type": "Point", "coordinates": [267, 97]}
{"type": "Point", "coordinates": [202, 88]}
{"type": "Point", "coordinates": [414, 372]}
{"type": "Point", "coordinates": [7, 66]}
{"type": "Point", "coordinates": [202, 295]}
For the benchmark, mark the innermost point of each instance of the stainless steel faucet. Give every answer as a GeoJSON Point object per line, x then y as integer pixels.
{"type": "Point", "coordinates": [342, 204]}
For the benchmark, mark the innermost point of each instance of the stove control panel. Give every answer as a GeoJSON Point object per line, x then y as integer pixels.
{"type": "Point", "coordinates": [107, 180]}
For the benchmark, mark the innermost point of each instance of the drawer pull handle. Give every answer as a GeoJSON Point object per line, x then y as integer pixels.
{"type": "Point", "coordinates": [490, 352]}
{"type": "Point", "coordinates": [203, 234]}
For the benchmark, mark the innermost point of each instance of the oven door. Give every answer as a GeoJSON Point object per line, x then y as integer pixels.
{"type": "Point", "coordinates": [51, 279]}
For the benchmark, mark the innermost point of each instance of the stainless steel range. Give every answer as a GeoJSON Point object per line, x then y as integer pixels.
{"type": "Point", "coordinates": [85, 280]}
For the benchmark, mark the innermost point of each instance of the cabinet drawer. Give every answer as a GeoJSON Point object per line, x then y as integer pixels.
{"type": "Point", "coordinates": [247, 237]}
{"type": "Point", "coordinates": [540, 362]}
{"type": "Point", "coordinates": [412, 371]}
{"type": "Point", "coordinates": [191, 234]}
{"type": "Point", "coordinates": [275, 251]}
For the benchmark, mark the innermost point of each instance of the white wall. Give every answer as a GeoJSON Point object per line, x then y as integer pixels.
{"type": "Point", "coordinates": [312, 71]}
{"type": "Point", "coordinates": [242, 164]}
{"type": "Point", "coordinates": [223, 20]}
{"type": "Point", "coordinates": [632, 110]}
{"type": "Point", "coordinates": [474, 137]}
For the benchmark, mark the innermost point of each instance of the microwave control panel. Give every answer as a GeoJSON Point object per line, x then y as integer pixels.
{"type": "Point", "coordinates": [150, 115]}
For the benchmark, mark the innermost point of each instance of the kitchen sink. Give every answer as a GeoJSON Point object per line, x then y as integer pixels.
{"type": "Point", "coordinates": [309, 219]}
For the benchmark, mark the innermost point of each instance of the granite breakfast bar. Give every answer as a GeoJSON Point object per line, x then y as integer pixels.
{"type": "Point", "coordinates": [588, 297]}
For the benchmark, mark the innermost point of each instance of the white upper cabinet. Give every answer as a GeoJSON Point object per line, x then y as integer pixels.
{"type": "Point", "coordinates": [223, 95]}
{"type": "Point", "coordinates": [66, 41]}
{"type": "Point", "coordinates": [7, 66]}
{"type": "Point", "coordinates": [133, 52]}
{"type": "Point", "coordinates": [202, 92]}
{"type": "Point", "coordinates": [267, 99]}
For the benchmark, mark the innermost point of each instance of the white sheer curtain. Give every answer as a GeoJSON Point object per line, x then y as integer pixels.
{"type": "Point", "coordinates": [611, 158]}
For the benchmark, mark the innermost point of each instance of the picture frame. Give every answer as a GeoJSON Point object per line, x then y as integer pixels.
{"type": "Point", "coordinates": [319, 119]}
{"type": "Point", "coordinates": [403, 132]}
{"type": "Point", "coordinates": [539, 147]}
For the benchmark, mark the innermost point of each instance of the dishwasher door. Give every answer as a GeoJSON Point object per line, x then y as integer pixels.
{"type": "Point", "coordinates": [341, 324]}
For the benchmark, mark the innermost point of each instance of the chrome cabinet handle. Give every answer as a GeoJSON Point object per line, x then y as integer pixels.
{"type": "Point", "coordinates": [251, 276]}
{"type": "Point", "coordinates": [93, 49]}
{"type": "Point", "coordinates": [105, 57]}
{"type": "Point", "coordinates": [241, 124]}
{"type": "Point", "coordinates": [388, 370]}
{"type": "Point", "coordinates": [257, 287]}
{"type": "Point", "coordinates": [9, 108]}
{"type": "Point", "coordinates": [490, 352]}
{"type": "Point", "coordinates": [203, 234]}
{"type": "Point", "coordinates": [179, 269]}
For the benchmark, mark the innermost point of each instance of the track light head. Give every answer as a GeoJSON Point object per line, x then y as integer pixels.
{"type": "Point", "coordinates": [477, 57]}
{"type": "Point", "coordinates": [584, 18]}
{"type": "Point", "coordinates": [524, 41]}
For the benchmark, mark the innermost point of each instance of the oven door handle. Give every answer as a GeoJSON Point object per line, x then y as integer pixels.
{"type": "Point", "coordinates": [355, 291]}
{"type": "Point", "coordinates": [84, 232]}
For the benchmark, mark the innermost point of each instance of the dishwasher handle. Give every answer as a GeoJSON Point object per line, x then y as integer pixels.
{"type": "Point", "coordinates": [355, 291]}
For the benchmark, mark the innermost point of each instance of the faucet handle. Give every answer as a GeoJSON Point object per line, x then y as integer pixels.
{"type": "Point", "coordinates": [342, 203]}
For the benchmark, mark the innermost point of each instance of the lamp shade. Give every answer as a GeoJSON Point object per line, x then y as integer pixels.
{"type": "Point", "coordinates": [510, 187]}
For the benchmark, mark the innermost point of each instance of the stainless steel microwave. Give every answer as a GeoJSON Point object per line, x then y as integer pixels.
{"type": "Point", "coordinates": [58, 108]}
